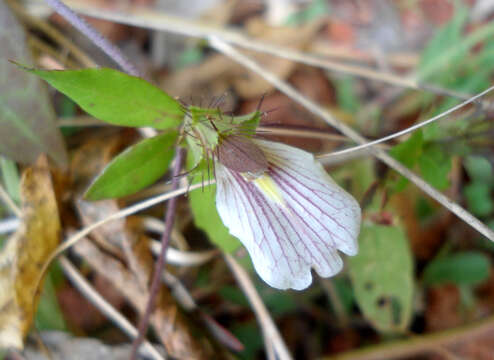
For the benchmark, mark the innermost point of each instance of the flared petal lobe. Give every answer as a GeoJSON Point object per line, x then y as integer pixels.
{"type": "Point", "coordinates": [291, 220]}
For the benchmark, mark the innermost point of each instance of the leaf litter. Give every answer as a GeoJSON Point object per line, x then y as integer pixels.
{"type": "Point", "coordinates": [120, 253]}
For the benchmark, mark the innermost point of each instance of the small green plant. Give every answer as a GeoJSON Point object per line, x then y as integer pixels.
{"type": "Point", "coordinates": [276, 199]}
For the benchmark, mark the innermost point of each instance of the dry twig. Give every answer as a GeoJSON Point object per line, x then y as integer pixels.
{"type": "Point", "coordinates": [352, 134]}
{"type": "Point", "coordinates": [109, 311]}
{"type": "Point", "coordinates": [267, 324]}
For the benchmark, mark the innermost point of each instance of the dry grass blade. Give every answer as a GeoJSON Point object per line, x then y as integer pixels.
{"type": "Point", "coordinates": [151, 19]}
{"type": "Point", "coordinates": [9, 202]}
{"type": "Point", "coordinates": [411, 128]}
{"type": "Point", "coordinates": [459, 211]}
{"type": "Point", "coordinates": [417, 345]}
{"type": "Point", "coordinates": [268, 326]}
{"type": "Point", "coordinates": [97, 300]}
{"type": "Point", "coordinates": [53, 33]}
{"type": "Point", "coordinates": [72, 240]}
{"type": "Point", "coordinates": [171, 327]}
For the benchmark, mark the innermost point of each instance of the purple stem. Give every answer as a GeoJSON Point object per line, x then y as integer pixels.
{"type": "Point", "coordinates": [158, 268]}
{"type": "Point", "coordinates": [97, 38]}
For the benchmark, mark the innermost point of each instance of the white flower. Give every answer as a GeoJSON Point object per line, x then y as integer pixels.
{"type": "Point", "coordinates": [292, 218]}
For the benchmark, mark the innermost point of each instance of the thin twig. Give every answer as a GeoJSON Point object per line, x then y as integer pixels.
{"type": "Point", "coordinates": [104, 306]}
{"type": "Point", "coordinates": [84, 121]}
{"type": "Point", "coordinates": [118, 215]}
{"type": "Point", "coordinates": [185, 299]}
{"type": "Point", "coordinates": [9, 225]}
{"type": "Point", "coordinates": [411, 128]}
{"type": "Point", "coordinates": [158, 269]}
{"type": "Point", "coordinates": [352, 134]}
{"type": "Point", "coordinates": [338, 52]}
{"type": "Point", "coordinates": [335, 301]}
{"type": "Point", "coordinates": [95, 36]}
{"type": "Point", "coordinates": [267, 324]}
{"type": "Point", "coordinates": [416, 345]}
{"type": "Point", "coordinates": [184, 258]}
{"type": "Point", "coordinates": [53, 33]}
{"type": "Point", "coordinates": [4, 196]}
{"type": "Point", "coordinates": [48, 50]}
{"type": "Point", "coordinates": [305, 133]}
{"type": "Point", "coordinates": [156, 20]}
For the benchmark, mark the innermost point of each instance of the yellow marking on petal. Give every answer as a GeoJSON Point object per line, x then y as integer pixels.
{"type": "Point", "coordinates": [269, 188]}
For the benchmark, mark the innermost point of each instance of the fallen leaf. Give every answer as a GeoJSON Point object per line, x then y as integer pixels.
{"type": "Point", "coordinates": [171, 327]}
{"type": "Point", "coordinates": [114, 237]}
{"type": "Point", "coordinates": [217, 73]}
{"type": "Point", "coordinates": [23, 257]}
{"type": "Point", "coordinates": [26, 116]}
{"type": "Point", "coordinates": [61, 345]}
{"type": "Point", "coordinates": [129, 267]}
{"type": "Point", "coordinates": [443, 308]}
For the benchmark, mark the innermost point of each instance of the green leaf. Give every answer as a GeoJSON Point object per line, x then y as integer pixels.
{"type": "Point", "coordinates": [137, 167]}
{"type": "Point", "coordinates": [435, 166]}
{"type": "Point", "coordinates": [278, 302]}
{"type": "Point", "coordinates": [479, 198]}
{"type": "Point", "coordinates": [203, 205]}
{"type": "Point", "coordinates": [313, 11]}
{"type": "Point", "coordinates": [479, 169]}
{"type": "Point", "coordinates": [448, 51]}
{"type": "Point", "coordinates": [443, 49]}
{"type": "Point", "coordinates": [467, 268]}
{"type": "Point", "coordinates": [115, 97]}
{"type": "Point", "coordinates": [382, 277]}
{"type": "Point", "coordinates": [27, 119]}
{"type": "Point", "coordinates": [407, 153]}
{"type": "Point", "coordinates": [11, 178]}
{"type": "Point", "coordinates": [193, 55]}
{"type": "Point", "coordinates": [248, 334]}
{"type": "Point", "coordinates": [345, 293]}
{"type": "Point", "coordinates": [49, 315]}
{"type": "Point", "coordinates": [345, 93]}
{"type": "Point", "coordinates": [234, 295]}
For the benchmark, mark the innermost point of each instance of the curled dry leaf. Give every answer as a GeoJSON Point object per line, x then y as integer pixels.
{"type": "Point", "coordinates": [217, 73]}
{"type": "Point", "coordinates": [171, 327]}
{"type": "Point", "coordinates": [129, 277]}
{"type": "Point", "coordinates": [25, 254]}
{"type": "Point", "coordinates": [250, 85]}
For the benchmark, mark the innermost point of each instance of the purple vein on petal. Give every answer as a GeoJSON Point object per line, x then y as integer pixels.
{"type": "Point", "coordinates": [249, 202]}
{"type": "Point", "coordinates": [285, 239]}
{"type": "Point", "coordinates": [253, 192]}
{"type": "Point", "coordinates": [282, 182]}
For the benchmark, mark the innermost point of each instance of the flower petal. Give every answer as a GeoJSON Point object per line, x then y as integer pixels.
{"type": "Point", "coordinates": [285, 239]}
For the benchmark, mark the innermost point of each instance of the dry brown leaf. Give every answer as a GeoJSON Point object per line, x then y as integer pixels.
{"type": "Point", "coordinates": [25, 254]}
{"type": "Point", "coordinates": [130, 270]}
{"type": "Point", "coordinates": [218, 73]}
{"type": "Point", "coordinates": [251, 85]}
{"type": "Point", "coordinates": [174, 331]}
{"type": "Point", "coordinates": [114, 237]}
